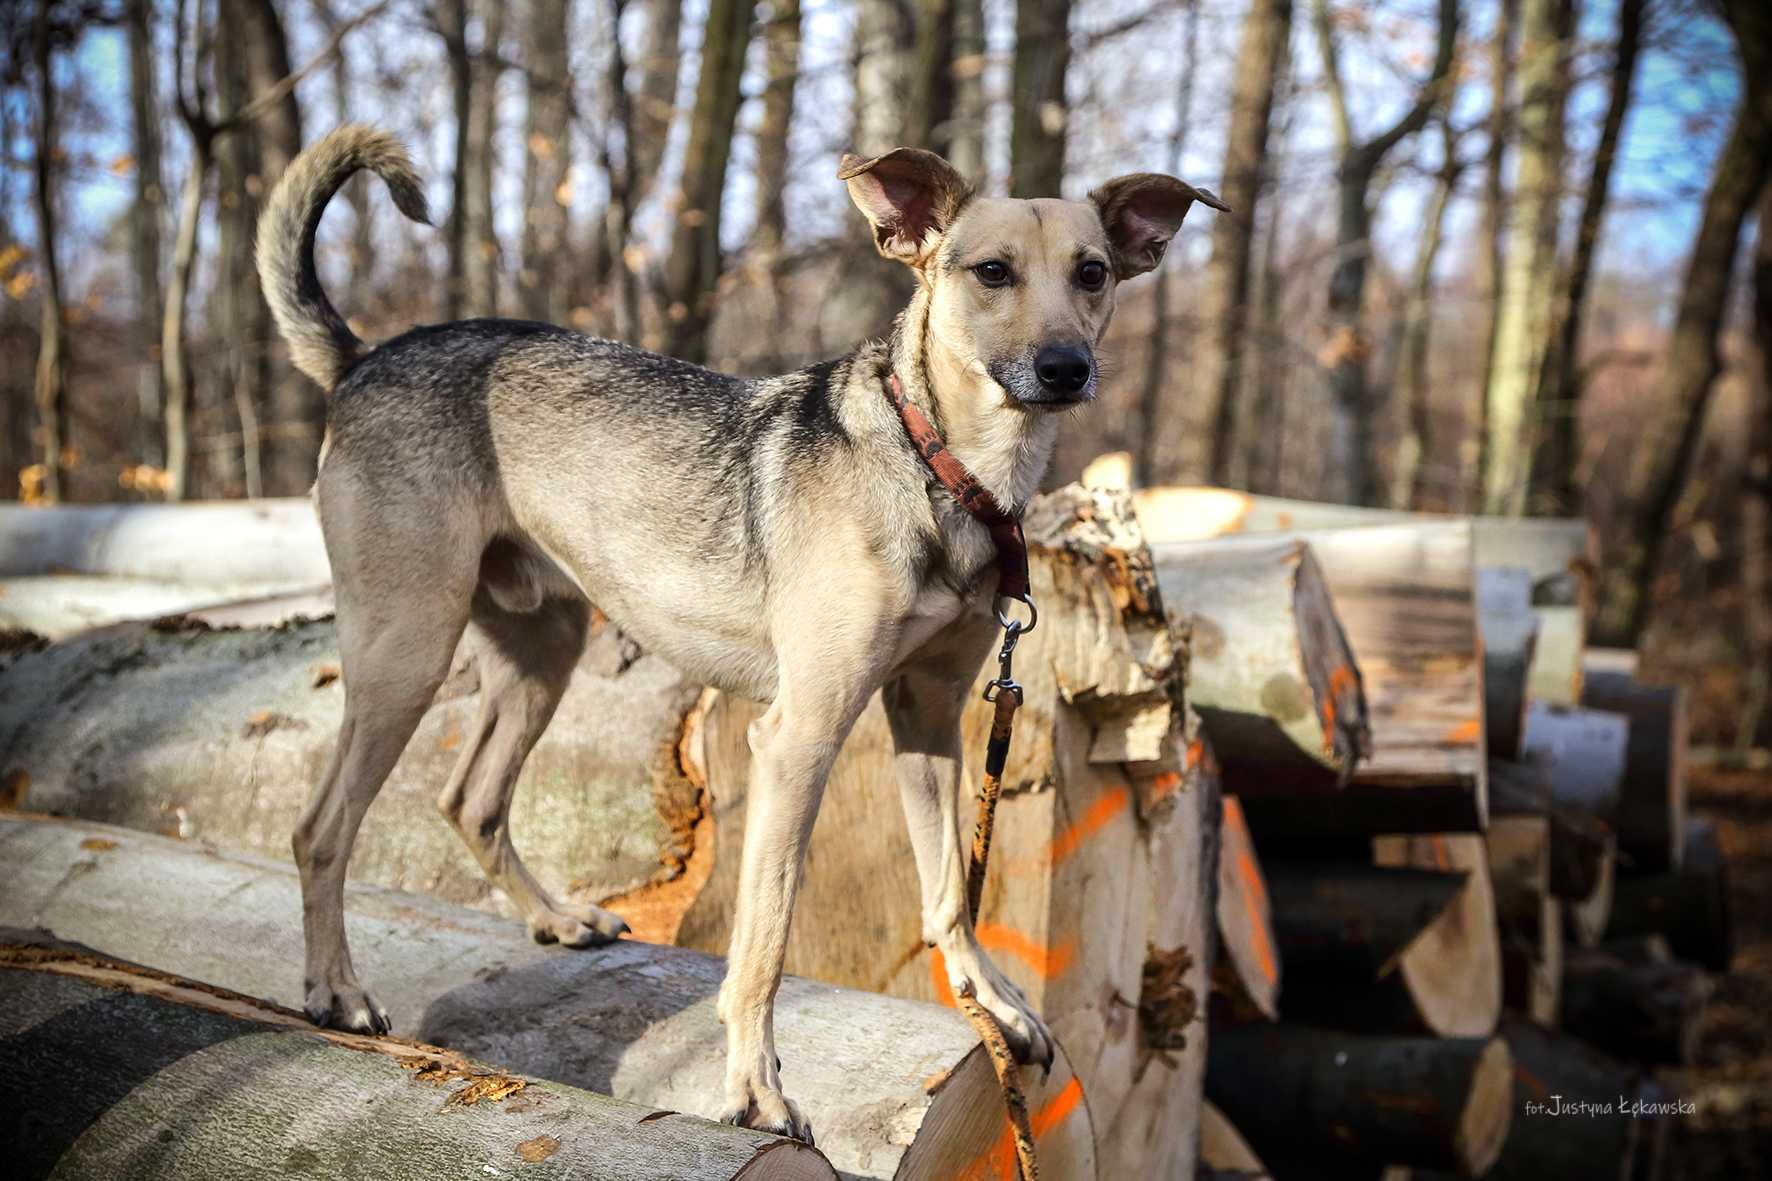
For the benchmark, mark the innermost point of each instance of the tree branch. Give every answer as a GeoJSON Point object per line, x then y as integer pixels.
{"type": "Point", "coordinates": [1431, 91]}
{"type": "Point", "coordinates": [281, 88]}
{"type": "Point", "coordinates": [1344, 130]}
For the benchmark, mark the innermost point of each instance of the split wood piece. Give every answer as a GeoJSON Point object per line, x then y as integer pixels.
{"type": "Point", "coordinates": [1528, 915]}
{"type": "Point", "coordinates": [1098, 838]}
{"type": "Point", "coordinates": [1585, 751]}
{"type": "Point", "coordinates": [1555, 1072]}
{"type": "Point", "coordinates": [1452, 973]}
{"type": "Point", "coordinates": [1583, 848]}
{"type": "Point", "coordinates": [1636, 1007]}
{"type": "Point", "coordinates": [1352, 936]}
{"type": "Point", "coordinates": [1224, 1154]}
{"type": "Point", "coordinates": [892, 1088]}
{"type": "Point", "coordinates": [1652, 797]}
{"type": "Point", "coordinates": [1510, 633]}
{"type": "Point", "coordinates": [1405, 599]}
{"type": "Point", "coordinates": [110, 1070]}
{"type": "Point", "coordinates": [219, 734]}
{"type": "Point", "coordinates": [267, 542]}
{"type": "Point", "coordinates": [1299, 1093]}
{"type": "Point", "coordinates": [1560, 554]}
{"type": "Point", "coordinates": [1689, 906]}
{"type": "Point", "coordinates": [1269, 669]}
{"type": "Point", "coordinates": [1249, 964]}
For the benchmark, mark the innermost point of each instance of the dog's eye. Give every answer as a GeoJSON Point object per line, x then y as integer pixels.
{"type": "Point", "coordinates": [1091, 274]}
{"type": "Point", "coordinates": [992, 273]}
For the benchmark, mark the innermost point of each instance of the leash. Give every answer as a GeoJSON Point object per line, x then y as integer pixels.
{"type": "Point", "coordinates": [1006, 694]}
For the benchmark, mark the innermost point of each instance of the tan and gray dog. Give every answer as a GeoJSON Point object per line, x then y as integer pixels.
{"type": "Point", "coordinates": [779, 538]}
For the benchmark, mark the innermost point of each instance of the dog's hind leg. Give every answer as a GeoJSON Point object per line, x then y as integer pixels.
{"type": "Point", "coordinates": [525, 660]}
{"type": "Point", "coordinates": [397, 634]}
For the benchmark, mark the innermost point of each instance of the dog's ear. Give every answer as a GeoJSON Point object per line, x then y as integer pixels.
{"type": "Point", "coordinates": [909, 196]}
{"type": "Point", "coordinates": [1140, 213]}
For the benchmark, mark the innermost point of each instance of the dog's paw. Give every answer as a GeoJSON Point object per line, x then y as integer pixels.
{"type": "Point", "coordinates": [576, 925]}
{"type": "Point", "coordinates": [755, 1104]}
{"type": "Point", "coordinates": [1028, 1037]}
{"type": "Point", "coordinates": [347, 1008]}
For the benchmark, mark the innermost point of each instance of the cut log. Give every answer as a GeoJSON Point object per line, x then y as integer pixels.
{"type": "Point", "coordinates": [111, 1070]}
{"type": "Point", "coordinates": [1224, 1154]}
{"type": "Point", "coordinates": [1552, 1134]}
{"type": "Point", "coordinates": [1510, 633]}
{"type": "Point", "coordinates": [220, 734]}
{"type": "Point", "coordinates": [892, 1087]}
{"type": "Point", "coordinates": [1556, 674]}
{"type": "Point", "coordinates": [1585, 751]}
{"type": "Point", "coordinates": [1405, 600]}
{"type": "Point", "coordinates": [1453, 972]}
{"type": "Point", "coordinates": [1091, 905]}
{"type": "Point", "coordinates": [1528, 915]}
{"type": "Point", "coordinates": [61, 605]}
{"type": "Point", "coordinates": [1636, 1008]}
{"type": "Point", "coordinates": [1431, 1102]}
{"type": "Point", "coordinates": [1689, 906]}
{"type": "Point", "coordinates": [1269, 668]}
{"type": "Point", "coordinates": [1652, 797]}
{"type": "Point", "coordinates": [1583, 848]}
{"type": "Point", "coordinates": [1248, 967]}
{"type": "Point", "coordinates": [267, 542]}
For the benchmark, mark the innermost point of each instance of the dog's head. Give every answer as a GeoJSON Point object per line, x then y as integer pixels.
{"type": "Point", "coordinates": [1019, 290]}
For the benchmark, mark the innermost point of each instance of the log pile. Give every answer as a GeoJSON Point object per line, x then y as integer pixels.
{"type": "Point", "coordinates": [1505, 903]}
{"type": "Point", "coordinates": [1305, 801]}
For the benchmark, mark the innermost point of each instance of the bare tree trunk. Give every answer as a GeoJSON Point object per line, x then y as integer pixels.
{"type": "Point", "coordinates": [1347, 346]}
{"type": "Point", "coordinates": [1756, 504]}
{"type": "Point", "coordinates": [692, 272]}
{"type": "Point", "coordinates": [175, 367]}
{"type": "Point", "coordinates": [1223, 294]}
{"type": "Point", "coordinates": [1493, 219]}
{"type": "Point", "coordinates": [547, 197]}
{"type": "Point", "coordinates": [452, 24]}
{"type": "Point", "coordinates": [611, 244]}
{"type": "Point", "coordinates": [1037, 128]}
{"type": "Point", "coordinates": [885, 38]}
{"type": "Point", "coordinates": [781, 55]}
{"type": "Point", "coordinates": [145, 229]}
{"type": "Point", "coordinates": [1669, 438]}
{"type": "Point", "coordinates": [1409, 392]}
{"type": "Point", "coordinates": [1521, 326]}
{"type": "Point", "coordinates": [52, 349]}
{"type": "Point", "coordinates": [480, 270]}
{"type": "Point", "coordinates": [357, 193]}
{"type": "Point", "coordinates": [931, 104]}
{"type": "Point", "coordinates": [964, 144]}
{"type": "Point", "coordinates": [1153, 407]}
{"type": "Point", "coordinates": [1262, 432]}
{"type": "Point", "coordinates": [656, 104]}
{"type": "Point", "coordinates": [1558, 454]}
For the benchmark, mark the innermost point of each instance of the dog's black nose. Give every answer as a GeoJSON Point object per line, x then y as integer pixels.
{"type": "Point", "coordinates": [1063, 368]}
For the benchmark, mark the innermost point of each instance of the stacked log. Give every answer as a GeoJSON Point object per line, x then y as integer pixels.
{"type": "Point", "coordinates": [892, 1088]}
{"type": "Point", "coordinates": [1688, 906]}
{"type": "Point", "coordinates": [1635, 1001]}
{"type": "Point", "coordinates": [1651, 811]}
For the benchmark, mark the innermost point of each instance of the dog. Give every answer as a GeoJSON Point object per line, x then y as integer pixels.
{"type": "Point", "coordinates": [778, 538]}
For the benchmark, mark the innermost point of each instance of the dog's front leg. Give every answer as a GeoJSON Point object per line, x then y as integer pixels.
{"type": "Point", "coordinates": [923, 706]}
{"type": "Point", "coordinates": [823, 683]}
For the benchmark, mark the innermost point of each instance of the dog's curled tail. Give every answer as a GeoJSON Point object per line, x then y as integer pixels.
{"type": "Point", "coordinates": [320, 342]}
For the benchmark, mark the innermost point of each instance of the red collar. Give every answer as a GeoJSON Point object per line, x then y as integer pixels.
{"type": "Point", "coordinates": [963, 486]}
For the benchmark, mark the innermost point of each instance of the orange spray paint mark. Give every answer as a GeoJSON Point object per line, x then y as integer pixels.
{"type": "Point", "coordinates": [938, 976]}
{"type": "Point", "coordinates": [1045, 962]}
{"type": "Point", "coordinates": [1464, 733]}
{"type": "Point", "coordinates": [1093, 819]}
{"type": "Point", "coordinates": [999, 1162]}
{"type": "Point", "coordinates": [1254, 889]}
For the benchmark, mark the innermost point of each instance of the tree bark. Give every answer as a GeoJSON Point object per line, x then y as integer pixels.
{"type": "Point", "coordinates": [480, 270]}
{"type": "Point", "coordinates": [781, 57]}
{"type": "Point", "coordinates": [1521, 329]}
{"type": "Point", "coordinates": [543, 280]}
{"type": "Point", "coordinates": [52, 348]}
{"type": "Point", "coordinates": [146, 224]}
{"type": "Point", "coordinates": [1668, 440]}
{"type": "Point", "coordinates": [1493, 220]}
{"type": "Point", "coordinates": [1039, 111]}
{"type": "Point", "coordinates": [1341, 1093]}
{"type": "Point", "coordinates": [342, 1104]}
{"type": "Point", "coordinates": [632, 1020]}
{"type": "Point", "coordinates": [1347, 346]}
{"type": "Point", "coordinates": [964, 144]}
{"type": "Point", "coordinates": [655, 103]}
{"type": "Point", "coordinates": [1756, 505]}
{"type": "Point", "coordinates": [692, 272]}
{"type": "Point", "coordinates": [1209, 427]}
{"type": "Point", "coordinates": [1557, 457]}
{"type": "Point", "coordinates": [1409, 390]}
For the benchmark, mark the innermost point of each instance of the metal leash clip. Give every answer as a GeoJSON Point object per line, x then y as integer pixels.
{"type": "Point", "coordinates": [1013, 630]}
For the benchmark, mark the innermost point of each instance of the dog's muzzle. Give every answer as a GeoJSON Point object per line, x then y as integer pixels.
{"type": "Point", "coordinates": [1058, 375]}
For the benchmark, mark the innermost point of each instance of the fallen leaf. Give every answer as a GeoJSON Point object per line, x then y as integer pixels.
{"type": "Point", "coordinates": [538, 1149]}
{"type": "Point", "coordinates": [325, 674]}
{"type": "Point", "coordinates": [98, 844]}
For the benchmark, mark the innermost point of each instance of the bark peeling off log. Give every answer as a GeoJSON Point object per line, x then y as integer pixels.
{"type": "Point", "coordinates": [219, 734]}
{"type": "Point", "coordinates": [894, 1089]}
{"type": "Point", "coordinates": [106, 1072]}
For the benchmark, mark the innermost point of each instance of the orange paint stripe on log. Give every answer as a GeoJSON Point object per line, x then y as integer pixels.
{"type": "Point", "coordinates": [1093, 819]}
{"type": "Point", "coordinates": [1531, 1082]}
{"type": "Point", "coordinates": [999, 1162]}
{"type": "Point", "coordinates": [938, 976]}
{"type": "Point", "coordinates": [1254, 890]}
{"type": "Point", "coordinates": [1442, 856]}
{"type": "Point", "coordinates": [1464, 733]}
{"type": "Point", "coordinates": [1046, 962]}
{"type": "Point", "coordinates": [1341, 679]}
